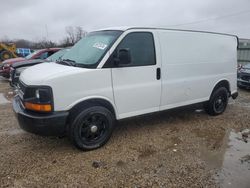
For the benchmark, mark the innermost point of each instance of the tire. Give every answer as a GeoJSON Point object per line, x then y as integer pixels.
{"type": "Point", "coordinates": [91, 128]}
{"type": "Point", "coordinates": [5, 55]}
{"type": "Point", "coordinates": [218, 102]}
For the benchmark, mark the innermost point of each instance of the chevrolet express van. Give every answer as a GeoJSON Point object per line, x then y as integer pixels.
{"type": "Point", "coordinates": [117, 73]}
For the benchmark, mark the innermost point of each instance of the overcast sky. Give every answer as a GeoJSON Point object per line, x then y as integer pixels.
{"type": "Point", "coordinates": [29, 19]}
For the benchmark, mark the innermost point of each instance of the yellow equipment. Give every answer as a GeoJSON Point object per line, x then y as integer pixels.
{"type": "Point", "coordinates": [7, 51]}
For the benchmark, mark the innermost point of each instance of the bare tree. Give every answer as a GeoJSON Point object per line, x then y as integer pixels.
{"type": "Point", "coordinates": [44, 43]}
{"type": "Point", "coordinates": [22, 43]}
{"type": "Point", "coordinates": [65, 42]}
{"type": "Point", "coordinates": [70, 35]}
{"type": "Point", "coordinates": [73, 35]}
{"type": "Point", "coordinates": [80, 33]}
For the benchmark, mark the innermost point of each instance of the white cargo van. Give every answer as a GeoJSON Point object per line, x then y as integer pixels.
{"type": "Point", "coordinates": [118, 73]}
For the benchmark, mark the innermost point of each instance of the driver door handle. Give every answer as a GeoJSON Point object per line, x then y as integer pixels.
{"type": "Point", "coordinates": [158, 73]}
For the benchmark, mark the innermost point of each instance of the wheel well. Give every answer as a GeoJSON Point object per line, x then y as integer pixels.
{"type": "Point", "coordinates": [91, 102]}
{"type": "Point", "coordinates": [223, 83]}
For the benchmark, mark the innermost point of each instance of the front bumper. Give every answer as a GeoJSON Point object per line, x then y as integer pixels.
{"type": "Point", "coordinates": [243, 83]}
{"type": "Point", "coordinates": [53, 124]}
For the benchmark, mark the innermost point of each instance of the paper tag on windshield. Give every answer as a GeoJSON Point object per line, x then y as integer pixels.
{"type": "Point", "coordinates": [100, 45]}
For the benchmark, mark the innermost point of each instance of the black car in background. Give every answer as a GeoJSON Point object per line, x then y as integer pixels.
{"type": "Point", "coordinates": [243, 76]}
{"type": "Point", "coordinates": [17, 68]}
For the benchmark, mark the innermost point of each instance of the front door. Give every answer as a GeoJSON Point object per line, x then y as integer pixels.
{"type": "Point", "coordinates": [137, 86]}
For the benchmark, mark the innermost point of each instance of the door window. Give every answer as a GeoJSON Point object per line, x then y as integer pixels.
{"type": "Point", "coordinates": [141, 46]}
{"type": "Point", "coordinates": [43, 55]}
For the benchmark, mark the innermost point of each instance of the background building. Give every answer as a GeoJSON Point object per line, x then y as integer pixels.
{"type": "Point", "coordinates": [244, 51]}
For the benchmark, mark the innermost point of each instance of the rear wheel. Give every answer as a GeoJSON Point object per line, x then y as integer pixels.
{"type": "Point", "coordinates": [218, 102]}
{"type": "Point", "coordinates": [91, 128]}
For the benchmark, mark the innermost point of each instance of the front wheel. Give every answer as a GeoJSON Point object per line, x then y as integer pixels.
{"type": "Point", "coordinates": [92, 128]}
{"type": "Point", "coordinates": [218, 102]}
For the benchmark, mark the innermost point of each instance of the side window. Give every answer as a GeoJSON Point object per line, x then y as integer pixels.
{"type": "Point", "coordinates": [43, 55]}
{"type": "Point", "coordinates": [51, 53]}
{"type": "Point", "coordinates": [141, 46]}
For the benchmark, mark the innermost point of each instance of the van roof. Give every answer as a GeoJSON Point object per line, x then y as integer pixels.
{"type": "Point", "coordinates": [125, 28]}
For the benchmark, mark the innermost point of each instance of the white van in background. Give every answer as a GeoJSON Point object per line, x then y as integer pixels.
{"type": "Point", "coordinates": [118, 73]}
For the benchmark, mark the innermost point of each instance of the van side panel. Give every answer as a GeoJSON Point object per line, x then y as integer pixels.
{"type": "Point", "coordinates": [90, 84]}
{"type": "Point", "coordinates": [192, 64]}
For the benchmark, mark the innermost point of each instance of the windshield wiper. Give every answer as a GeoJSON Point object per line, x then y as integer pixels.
{"type": "Point", "coordinates": [68, 62]}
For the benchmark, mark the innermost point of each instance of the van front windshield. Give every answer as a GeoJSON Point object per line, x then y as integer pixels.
{"type": "Point", "coordinates": [89, 50]}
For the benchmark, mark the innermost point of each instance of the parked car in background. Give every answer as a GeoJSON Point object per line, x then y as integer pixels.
{"type": "Point", "coordinates": [243, 76]}
{"type": "Point", "coordinates": [17, 68]}
{"type": "Point", "coordinates": [23, 52]}
{"type": "Point", "coordinates": [39, 54]}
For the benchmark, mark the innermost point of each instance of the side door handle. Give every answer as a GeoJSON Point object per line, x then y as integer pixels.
{"type": "Point", "coordinates": [158, 73]}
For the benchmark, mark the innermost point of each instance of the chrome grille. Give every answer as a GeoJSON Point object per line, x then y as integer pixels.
{"type": "Point", "coordinates": [245, 77]}
{"type": "Point", "coordinates": [20, 89]}
{"type": "Point", "coordinates": [22, 86]}
{"type": "Point", "coordinates": [12, 73]}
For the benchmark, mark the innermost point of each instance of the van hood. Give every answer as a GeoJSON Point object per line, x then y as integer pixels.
{"type": "Point", "coordinates": [41, 73]}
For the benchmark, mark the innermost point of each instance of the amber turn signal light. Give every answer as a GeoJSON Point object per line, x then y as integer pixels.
{"type": "Point", "coordinates": [38, 107]}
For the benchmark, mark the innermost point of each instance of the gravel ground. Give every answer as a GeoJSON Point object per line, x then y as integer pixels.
{"type": "Point", "coordinates": [177, 148]}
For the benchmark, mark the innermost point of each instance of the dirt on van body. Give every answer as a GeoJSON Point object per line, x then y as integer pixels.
{"type": "Point", "coordinates": [177, 148]}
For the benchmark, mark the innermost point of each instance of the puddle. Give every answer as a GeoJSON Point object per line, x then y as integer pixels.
{"type": "Point", "coordinates": [235, 171]}
{"type": "Point", "coordinates": [232, 160]}
{"type": "Point", "coordinates": [214, 158]}
{"type": "Point", "coordinates": [3, 100]}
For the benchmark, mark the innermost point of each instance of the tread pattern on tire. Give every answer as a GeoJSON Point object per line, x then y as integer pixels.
{"type": "Point", "coordinates": [75, 122]}
{"type": "Point", "coordinates": [209, 105]}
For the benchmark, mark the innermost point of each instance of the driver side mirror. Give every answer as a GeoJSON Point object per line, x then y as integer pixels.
{"type": "Point", "coordinates": [123, 57]}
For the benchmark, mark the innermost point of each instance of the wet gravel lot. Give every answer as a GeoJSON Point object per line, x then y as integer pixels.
{"type": "Point", "coordinates": [178, 148]}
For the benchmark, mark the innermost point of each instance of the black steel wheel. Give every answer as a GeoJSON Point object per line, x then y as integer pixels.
{"type": "Point", "coordinates": [218, 102]}
{"type": "Point", "coordinates": [92, 128]}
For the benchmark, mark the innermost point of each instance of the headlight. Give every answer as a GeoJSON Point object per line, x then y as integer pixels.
{"type": "Point", "coordinates": [19, 70]}
{"type": "Point", "coordinates": [38, 99]}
